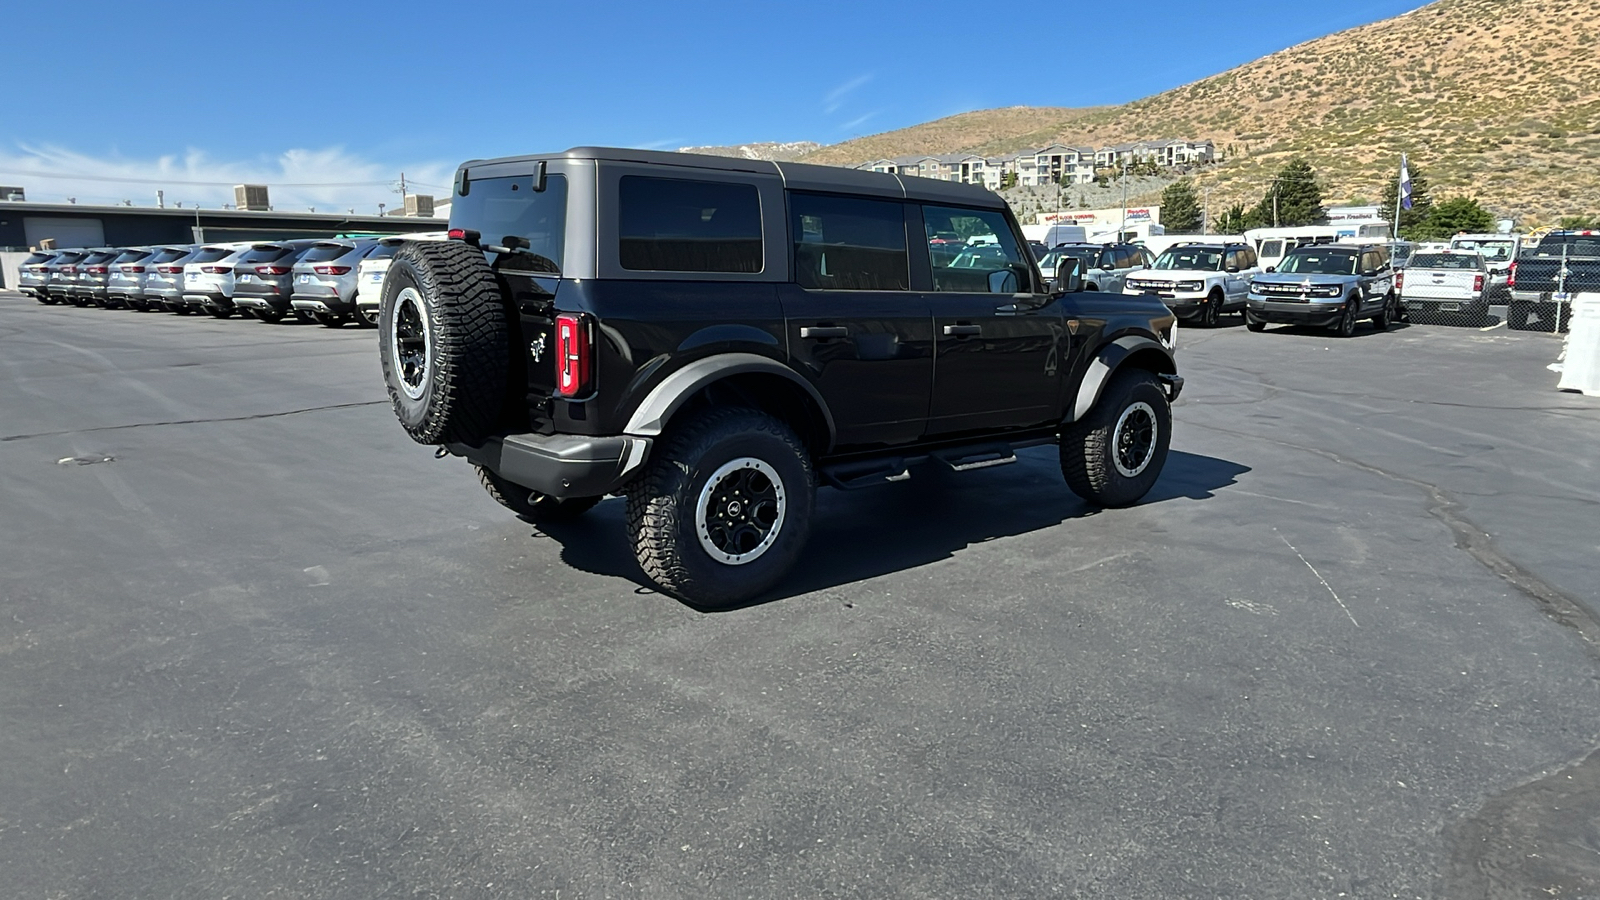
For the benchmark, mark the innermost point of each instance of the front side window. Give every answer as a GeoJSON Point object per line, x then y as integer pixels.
{"type": "Point", "coordinates": [995, 265]}
{"type": "Point", "coordinates": [671, 225]}
{"type": "Point", "coordinates": [849, 244]}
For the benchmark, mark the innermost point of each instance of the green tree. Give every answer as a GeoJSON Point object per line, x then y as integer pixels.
{"type": "Point", "coordinates": [1293, 198]}
{"type": "Point", "coordinates": [1180, 208]}
{"type": "Point", "coordinates": [1008, 181]}
{"type": "Point", "coordinates": [1232, 220]}
{"type": "Point", "coordinates": [1579, 222]}
{"type": "Point", "coordinates": [1412, 221]}
{"type": "Point", "coordinates": [1457, 215]}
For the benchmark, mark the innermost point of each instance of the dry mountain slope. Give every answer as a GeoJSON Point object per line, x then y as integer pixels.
{"type": "Point", "coordinates": [1495, 98]}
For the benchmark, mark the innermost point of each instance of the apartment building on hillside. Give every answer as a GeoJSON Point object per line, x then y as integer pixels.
{"type": "Point", "coordinates": [1047, 165]}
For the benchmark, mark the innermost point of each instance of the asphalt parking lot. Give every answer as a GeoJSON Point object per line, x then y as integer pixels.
{"type": "Point", "coordinates": [256, 643]}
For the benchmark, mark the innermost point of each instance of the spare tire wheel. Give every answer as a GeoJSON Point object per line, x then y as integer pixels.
{"type": "Point", "coordinates": [444, 342]}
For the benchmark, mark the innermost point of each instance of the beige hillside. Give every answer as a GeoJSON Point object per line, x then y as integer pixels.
{"type": "Point", "coordinates": [1499, 99]}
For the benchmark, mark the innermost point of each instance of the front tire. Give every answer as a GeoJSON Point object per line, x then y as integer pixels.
{"type": "Point", "coordinates": [529, 505]}
{"type": "Point", "coordinates": [1113, 456]}
{"type": "Point", "coordinates": [1346, 326]}
{"type": "Point", "coordinates": [1210, 310]}
{"type": "Point", "coordinates": [1255, 325]}
{"type": "Point", "coordinates": [723, 507]}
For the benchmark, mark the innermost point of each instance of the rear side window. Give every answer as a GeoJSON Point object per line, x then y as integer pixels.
{"type": "Point", "coordinates": [501, 208]}
{"type": "Point", "coordinates": [668, 225]}
{"type": "Point", "coordinates": [325, 252]}
{"type": "Point", "coordinates": [849, 244]}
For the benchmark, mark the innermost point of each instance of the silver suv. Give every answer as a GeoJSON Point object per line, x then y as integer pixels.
{"type": "Point", "coordinates": [326, 278]}
{"type": "Point", "coordinates": [1105, 267]}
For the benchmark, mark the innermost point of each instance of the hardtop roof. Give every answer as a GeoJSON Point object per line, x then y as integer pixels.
{"type": "Point", "coordinates": [796, 176]}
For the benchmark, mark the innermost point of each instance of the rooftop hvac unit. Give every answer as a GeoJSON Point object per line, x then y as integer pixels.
{"type": "Point", "coordinates": [11, 193]}
{"type": "Point", "coordinates": [251, 196]}
{"type": "Point", "coordinates": [419, 206]}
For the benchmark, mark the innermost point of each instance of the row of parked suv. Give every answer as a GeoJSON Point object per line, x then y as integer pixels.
{"type": "Point", "coordinates": [319, 279]}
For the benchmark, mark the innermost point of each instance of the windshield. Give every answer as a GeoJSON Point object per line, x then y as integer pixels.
{"type": "Point", "coordinates": [1202, 259]}
{"type": "Point", "coordinates": [1318, 262]}
{"type": "Point", "coordinates": [1446, 261]}
{"type": "Point", "coordinates": [1494, 251]}
{"type": "Point", "coordinates": [986, 257]}
{"type": "Point", "coordinates": [500, 208]}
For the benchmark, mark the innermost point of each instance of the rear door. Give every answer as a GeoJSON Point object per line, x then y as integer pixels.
{"type": "Point", "coordinates": [1000, 341]}
{"type": "Point", "coordinates": [855, 327]}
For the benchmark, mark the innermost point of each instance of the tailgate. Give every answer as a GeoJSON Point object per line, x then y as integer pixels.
{"type": "Point", "coordinates": [1441, 284]}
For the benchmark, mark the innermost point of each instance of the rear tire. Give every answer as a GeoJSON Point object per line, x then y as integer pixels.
{"type": "Point", "coordinates": [1385, 315]}
{"type": "Point", "coordinates": [219, 312]}
{"type": "Point", "coordinates": [1114, 455]}
{"type": "Point", "coordinates": [329, 320]}
{"type": "Point", "coordinates": [723, 507]}
{"type": "Point", "coordinates": [271, 316]}
{"type": "Point", "coordinates": [444, 342]}
{"type": "Point", "coordinates": [532, 505]}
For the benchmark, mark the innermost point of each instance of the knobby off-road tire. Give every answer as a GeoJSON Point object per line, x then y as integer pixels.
{"type": "Point", "coordinates": [532, 505]}
{"type": "Point", "coordinates": [444, 342]}
{"type": "Point", "coordinates": [1113, 456]}
{"type": "Point", "coordinates": [723, 507]}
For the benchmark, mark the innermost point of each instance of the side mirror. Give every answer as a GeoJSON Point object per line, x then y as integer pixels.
{"type": "Point", "coordinates": [1233, 270]}
{"type": "Point", "coordinates": [1067, 280]}
{"type": "Point", "coordinates": [1003, 281]}
{"type": "Point", "coordinates": [1272, 268]}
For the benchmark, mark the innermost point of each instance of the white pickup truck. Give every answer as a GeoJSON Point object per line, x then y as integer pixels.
{"type": "Point", "coordinates": [1445, 284]}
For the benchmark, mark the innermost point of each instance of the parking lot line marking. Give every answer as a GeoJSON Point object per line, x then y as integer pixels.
{"type": "Point", "coordinates": [1498, 324]}
{"type": "Point", "coordinates": [1319, 578]}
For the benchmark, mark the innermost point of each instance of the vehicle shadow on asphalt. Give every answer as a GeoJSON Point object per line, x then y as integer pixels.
{"type": "Point", "coordinates": [856, 535]}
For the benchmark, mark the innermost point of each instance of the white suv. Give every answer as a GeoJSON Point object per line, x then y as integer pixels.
{"type": "Point", "coordinates": [1199, 281]}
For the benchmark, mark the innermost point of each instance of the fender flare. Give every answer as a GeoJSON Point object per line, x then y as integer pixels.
{"type": "Point", "coordinates": [669, 396]}
{"type": "Point", "coordinates": [1107, 361]}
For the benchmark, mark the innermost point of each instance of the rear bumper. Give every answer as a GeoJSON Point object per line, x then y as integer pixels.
{"type": "Point", "coordinates": [321, 298]}
{"type": "Point", "coordinates": [207, 298]}
{"type": "Point", "coordinates": [255, 298]}
{"type": "Point", "coordinates": [561, 465]}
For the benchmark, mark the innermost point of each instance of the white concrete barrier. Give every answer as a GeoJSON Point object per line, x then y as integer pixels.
{"type": "Point", "coordinates": [1580, 368]}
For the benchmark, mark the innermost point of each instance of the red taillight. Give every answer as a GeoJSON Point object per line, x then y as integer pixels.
{"type": "Point", "coordinates": [331, 270]}
{"type": "Point", "coordinates": [272, 270]}
{"type": "Point", "coordinates": [169, 270]}
{"type": "Point", "coordinates": [1511, 276]}
{"type": "Point", "coordinates": [132, 270]}
{"type": "Point", "coordinates": [215, 270]}
{"type": "Point", "coordinates": [574, 355]}
{"type": "Point", "coordinates": [1477, 282]}
{"type": "Point", "coordinates": [1399, 280]}
{"type": "Point", "coordinates": [68, 270]}
{"type": "Point", "coordinates": [97, 270]}
{"type": "Point", "coordinates": [458, 234]}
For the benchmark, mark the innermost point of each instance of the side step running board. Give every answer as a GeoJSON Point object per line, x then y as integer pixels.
{"type": "Point", "coordinates": [862, 473]}
{"type": "Point", "coordinates": [965, 459]}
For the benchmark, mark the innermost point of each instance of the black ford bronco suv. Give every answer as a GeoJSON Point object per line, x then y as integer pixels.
{"type": "Point", "coordinates": [712, 338]}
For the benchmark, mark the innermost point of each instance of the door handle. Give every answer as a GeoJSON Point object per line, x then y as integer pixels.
{"type": "Point", "coordinates": [962, 330]}
{"type": "Point", "coordinates": [824, 331]}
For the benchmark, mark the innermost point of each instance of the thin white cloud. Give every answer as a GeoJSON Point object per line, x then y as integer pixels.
{"type": "Point", "coordinates": [328, 179]}
{"type": "Point", "coordinates": [858, 121]}
{"type": "Point", "coordinates": [669, 143]}
{"type": "Point", "coordinates": [835, 98]}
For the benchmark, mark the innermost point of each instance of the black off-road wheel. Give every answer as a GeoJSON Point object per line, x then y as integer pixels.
{"type": "Point", "coordinates": [1386, 315]}
{"type": "Point", "coordinates": [529, 505]}
{"type": "Point", "coordinates": [444, 341]}
{"type": "Point", "coordinates": [1113, 456]}
{"type": "Point", "coordinates": [1346, 326]}
{"type": "Point", "coordinates": [723, 507]}
{"type": "Point", "coordinates": [1210, 309]}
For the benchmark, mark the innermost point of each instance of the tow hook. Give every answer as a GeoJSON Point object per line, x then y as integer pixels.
{"type": "Point", "coordinates": [441, 452]}
{"type": "Point", "coordinates": [1174, 385]}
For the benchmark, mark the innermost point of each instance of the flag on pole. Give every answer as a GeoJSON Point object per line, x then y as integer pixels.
{"type": "Point", "coordinates": [1405, 183]}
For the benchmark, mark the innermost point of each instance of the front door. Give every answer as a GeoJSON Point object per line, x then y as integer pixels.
{"type": "Point", "coordinates": [855, 328]}
{"type": "Point", "coordinates": [1000, 342]}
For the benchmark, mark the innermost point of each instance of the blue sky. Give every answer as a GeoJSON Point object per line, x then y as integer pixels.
{"type": "Point", "coordinates": [329, 101]}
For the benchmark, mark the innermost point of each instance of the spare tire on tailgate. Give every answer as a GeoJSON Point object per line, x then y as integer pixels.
{"type": "Point", "coordinates": [444, 339]}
